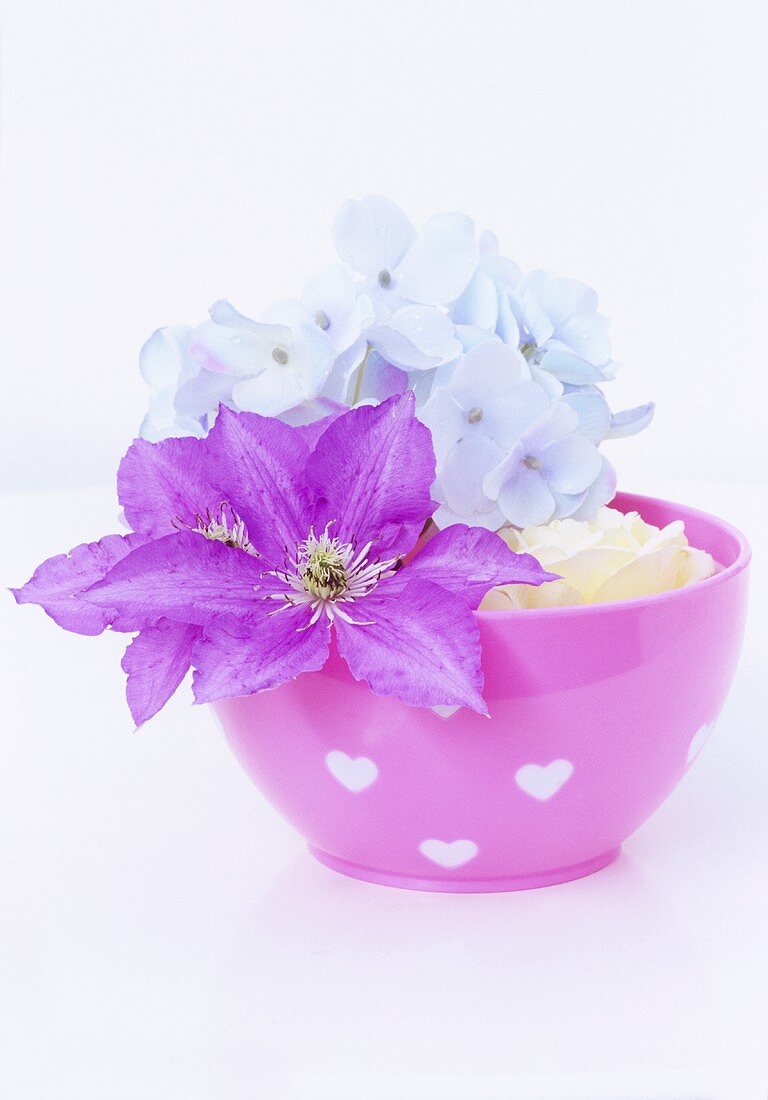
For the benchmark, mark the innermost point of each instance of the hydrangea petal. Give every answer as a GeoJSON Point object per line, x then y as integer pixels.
{"type": "Point", "coordinates": [439, 264]}
{"type": "Point", "coordinates": [237, 657]}
{"type": "Point", "coordinates": [408, 652]}
{"type": "Point", "coordinates": [592, 410]}
{"type": "Point", "coordinates": [416, 338]}
{"type": "Point", "coordinates": [156, 662]}
{"type": "Point", "coordinates": [570, 464]}
{"type": "Point", "coordinates": [372, 234]}
{"type": "Point", "coordinates": [524, 497]}
{"type": "Point", "coordinates": [371, 472]}
{"type": "Point", "coordinates": [57, 585]}
{"type": "Point", "coordinates": [630, 421]}
{"type": "Point", "coordinates": [601, 491]}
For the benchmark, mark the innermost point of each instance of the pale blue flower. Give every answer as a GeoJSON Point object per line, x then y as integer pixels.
{"type": "Point", "coordinates": [485, 302]}
{"type": "Point", "coordinates": [408, 276]}
{"type": "Point", "coordinates": [275, 364]}
{"type": "Point", "coordinates": [561, 330]}
{"type": "Point", "coordinates": [399, 265]}
{"type": "Point", "coordinates": [549, 470]}
{"type": "Point", "coordinates": [186, 393]}
{"type": "Point", "coordinates": [475, 420]}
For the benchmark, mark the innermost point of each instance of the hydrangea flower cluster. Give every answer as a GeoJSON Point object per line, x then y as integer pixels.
{"type": "Point", "coordinates": [506, 368]}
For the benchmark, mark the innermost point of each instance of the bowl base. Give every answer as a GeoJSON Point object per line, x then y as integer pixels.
{"type": "Point", "coordinates": [467, 885]}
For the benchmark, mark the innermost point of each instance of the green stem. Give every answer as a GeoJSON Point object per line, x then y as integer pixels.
{"type": "Point", "coordinates": [359, 379]}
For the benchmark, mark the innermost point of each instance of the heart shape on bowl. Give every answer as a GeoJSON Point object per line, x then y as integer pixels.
{"type": "Point", "coordinates": [451, 854]}
{"type": "Point", "coordinates": [543, 781]}
{"type": "Point", "coordinates": [354, 773]}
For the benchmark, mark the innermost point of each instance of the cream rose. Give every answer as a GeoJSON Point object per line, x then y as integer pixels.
{"type": "Point", "coordinates": [611, 557]}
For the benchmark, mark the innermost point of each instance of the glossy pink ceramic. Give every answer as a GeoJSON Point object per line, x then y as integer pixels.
{"type": "Point", "coordinates": [596, 713]}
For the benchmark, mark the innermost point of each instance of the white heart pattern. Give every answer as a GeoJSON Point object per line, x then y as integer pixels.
{"type": "Point", "coordinates": [445, 712]}
{"type": "Point", "coordinates": [449, 854]}
{"type": "Point", "coordinates": [699, 740]}
{"type": "Point", "coordinates": [543, 781]}
{"type": "Point", "coordinates": [354, 773]}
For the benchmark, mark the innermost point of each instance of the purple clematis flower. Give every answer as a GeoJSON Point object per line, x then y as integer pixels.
{"type": "Point", "coordinates": [252, 546]}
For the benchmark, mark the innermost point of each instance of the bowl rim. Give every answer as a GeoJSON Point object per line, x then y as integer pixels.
{"type": "Point", "coordinates": [690, 592]}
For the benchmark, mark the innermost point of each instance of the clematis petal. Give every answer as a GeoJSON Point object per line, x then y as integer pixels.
{"type": "Point", "coordinates": [257, 463]}
{"type": "Point", "coordinates": [371, 472]}
{"type": "Point", "coordinates": [236, 657]}
{"type": "Point", "coordinates": [439, 264]}
{"type": "Point", "coordinates": [156, 662]}
{"type": "Point", "coordinates": [164, 484]}
{"type": "Point", "coordinates": [57, 585]}
{"type": "Point", "coordinates": [183, 577]}
{"type": "Point", "coordinates": [311, 430]}
{"type": "Point", "coordinates": [469, 561]}
{"type": "Point", "coordinates": [372, 234]}
{"type": "Point", "coordinates": [423, 647]}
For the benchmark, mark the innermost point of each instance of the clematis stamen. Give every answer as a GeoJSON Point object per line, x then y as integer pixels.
{"type": "Point", "coordinates": [225, 526]}
{"type": "Point", "coordinates": [326, 573]}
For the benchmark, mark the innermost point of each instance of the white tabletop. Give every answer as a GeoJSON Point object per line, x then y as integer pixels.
{"type": "Point", "coordinates": [166, 935]}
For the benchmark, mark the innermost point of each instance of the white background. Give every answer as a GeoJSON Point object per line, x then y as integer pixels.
{"type": "Point", "coordinates": [164, 935]}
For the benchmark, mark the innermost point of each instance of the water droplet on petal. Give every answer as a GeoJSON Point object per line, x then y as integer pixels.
{"type": "Point", "coordinates": [322, 320]}
{"type": "Point", "coordinates": [475, 415]}
{"type": "Point", "coordinates": [384, 279]}
{"type": "Point", "coordinates": [280, 355]}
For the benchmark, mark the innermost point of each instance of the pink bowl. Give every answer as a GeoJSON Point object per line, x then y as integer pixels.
{"type": "Point", "coordinates": [596, 714]}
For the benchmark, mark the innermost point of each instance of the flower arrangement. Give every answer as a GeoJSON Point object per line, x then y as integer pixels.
{"type": "Point", "coordinates": [357, 500]}
{"type": "Point", "coordinates": [289, 467]}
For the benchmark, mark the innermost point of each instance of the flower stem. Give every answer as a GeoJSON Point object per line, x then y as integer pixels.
{"type": "Point", "coordinates": [359, 378]}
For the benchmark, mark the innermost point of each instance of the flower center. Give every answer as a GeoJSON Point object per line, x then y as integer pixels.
{"type": "Point", "coordinates": [324, 568]}
{"type": "Point", "coordinates": [326, 573]}
{"type": "Point", "coordinates": [532, 462]}
{"type": "Point", "coordinates": [223, 526]}
{"type": "Point", "coordinates": [384, 279]}
{"type": "Point", "coordinates": [280, 355]}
